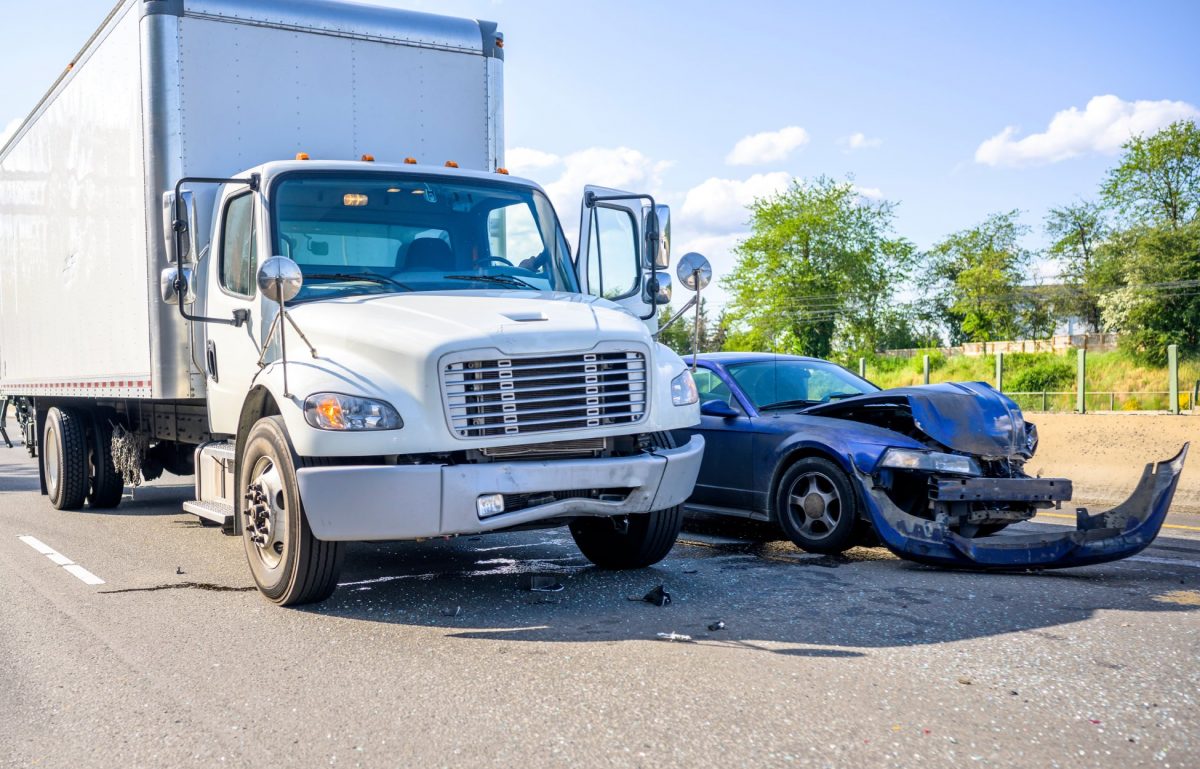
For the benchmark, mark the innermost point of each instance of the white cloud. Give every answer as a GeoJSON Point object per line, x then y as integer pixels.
{"type": "Point", "coordinates": [719, 205]}
{"type": "Point", "coordinates": [9, 129]}
{"type": "Point", "coordinates": [860, 141]}
{"type": "Point", "coordinates": [870, 193]}
{"type": "Point", "coordinates": [1102, 126]}
{"type": "Point", "coordinates": [564, 177]}
{"type": "Point", "coordinates": [523, 160]}
{"type": "Point", "coordinates": [767, 147]}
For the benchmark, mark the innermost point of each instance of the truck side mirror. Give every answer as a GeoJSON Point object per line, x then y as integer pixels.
{"type": "Point", "coordinates": [280, 279]}
{"type": "Point", "coordinates": [658, 237]}
{"type": "Point", "coordinates": [658, 288]}
{"type": "Point", "coordinates": [179, 229]}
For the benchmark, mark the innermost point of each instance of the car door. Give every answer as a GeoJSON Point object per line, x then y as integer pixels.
{"type": "Point", "coordinates": [727, 470]}
{"type": "Point", "coordinates": [231, 352]}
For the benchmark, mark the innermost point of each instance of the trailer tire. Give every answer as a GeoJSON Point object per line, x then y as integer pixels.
{"type": "Point", "coordinates": [65, 458]}
{"type": "Point", "coordinates": [106, 484]}
{"type": "Point", "coordinates": [633, 541]}
{"type": "Point", "coordinates": [289, 564]}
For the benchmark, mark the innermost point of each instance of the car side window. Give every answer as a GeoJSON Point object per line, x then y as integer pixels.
{"type": "Point", "coordinates": [239, 250]}
{"type": "Point", "coordinates": [711, 388]}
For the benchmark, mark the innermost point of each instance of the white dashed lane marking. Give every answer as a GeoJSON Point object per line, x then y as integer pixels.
{"type": "Point", "coordinates": [68, 565]}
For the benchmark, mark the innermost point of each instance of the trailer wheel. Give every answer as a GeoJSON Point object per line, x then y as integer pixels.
{"type": "Point", "coordinates": [106, 483]}
{"type": "Point", "coordinates": [290, 565]}
{"type": "Point", "coordinates": [65, 458]}
{"type": "Point", "coordinates": [630, 541]}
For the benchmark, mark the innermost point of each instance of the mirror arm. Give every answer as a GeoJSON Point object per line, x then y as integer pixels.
{"type": "Point", "coordinates": [179, 226]}
{"type": "Point", "coordinates": [690, 303]}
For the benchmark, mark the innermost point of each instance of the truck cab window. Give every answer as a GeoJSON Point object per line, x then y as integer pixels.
{"type": "Point", "coordinates": [239, 250]}
{"type": "Point", "coordinates": [613, 273]}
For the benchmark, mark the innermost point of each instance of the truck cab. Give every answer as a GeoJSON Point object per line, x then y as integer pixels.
{"type": "Point", "coordinates": [437, 368]}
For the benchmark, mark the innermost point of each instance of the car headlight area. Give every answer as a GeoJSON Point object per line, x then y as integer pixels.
{"type": "Point", "coordinates": [929, 461]}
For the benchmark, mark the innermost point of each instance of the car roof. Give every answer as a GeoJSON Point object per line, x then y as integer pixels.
{"type": "Point", "coordinates": [731, 358]}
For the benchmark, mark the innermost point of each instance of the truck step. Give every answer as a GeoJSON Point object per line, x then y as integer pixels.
{"type": "Point", "coordinates": [217, 512]}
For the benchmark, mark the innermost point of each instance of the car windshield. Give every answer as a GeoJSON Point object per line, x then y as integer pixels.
{"type": "Point", "coordinates": [386, 233]}
{"type": "Point", "coordinates": [780, 385]}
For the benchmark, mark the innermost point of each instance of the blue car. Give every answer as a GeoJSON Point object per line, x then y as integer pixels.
{"type": "Point", "coordinates": [936, 471]}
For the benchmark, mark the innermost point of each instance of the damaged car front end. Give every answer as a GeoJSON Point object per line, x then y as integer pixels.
{"type": "Point", "coordinates": [946, 502]}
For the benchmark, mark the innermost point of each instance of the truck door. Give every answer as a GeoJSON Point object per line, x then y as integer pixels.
{"type": "Point", "coordinates": [231, 352]}
{"type": "Point", "coordinates": [612, 242]}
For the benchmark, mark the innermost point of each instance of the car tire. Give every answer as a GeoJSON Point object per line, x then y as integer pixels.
{"type": "Point", "coordinates": [816, 507]}
{"type": "Point", "coordinates": [65, 458]}
{"type": "Point", "coordinates": [631, 541]}
{"type": "Point", "coordinates": [106, 486]}
{"type": "Point", "coordinates": [289, 564]}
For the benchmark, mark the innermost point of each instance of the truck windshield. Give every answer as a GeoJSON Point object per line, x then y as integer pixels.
{"type": "Point", "coordinates": [380, 233]}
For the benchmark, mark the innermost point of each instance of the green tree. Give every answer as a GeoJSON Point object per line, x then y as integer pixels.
{"type": "Point", "coordinates": [975, 278]}
{"type": "Point", "coordinates": [1087, 262]}
{"type": "Point", "coordinates": [1157, 181]}
{"type": "Point", "coordinates": [817, 272]}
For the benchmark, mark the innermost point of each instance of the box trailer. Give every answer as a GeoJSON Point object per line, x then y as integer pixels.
{"type": "Point", "coordinates": [273, 243]}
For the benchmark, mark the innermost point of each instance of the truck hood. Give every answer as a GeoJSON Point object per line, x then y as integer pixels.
{"type": "Point", "coordinates": [513, 322]}
{"type": "Point", "coordinates": [968, 417]}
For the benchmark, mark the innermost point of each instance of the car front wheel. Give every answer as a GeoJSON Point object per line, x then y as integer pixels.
{"type": "Point", "coordinates": [816, 506]}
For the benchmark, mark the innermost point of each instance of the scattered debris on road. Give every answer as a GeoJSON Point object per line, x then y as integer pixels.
{"type": "Point", "coordinates": [718, 625]}
{"type": "Point", "coordinates": [658, 596]}
{"type": "Point", "coordinates": [451, 611]}
{"type": "Point", "coordinates": [540, 583]}
{"type": "Point", "coordinates": [673, 636]}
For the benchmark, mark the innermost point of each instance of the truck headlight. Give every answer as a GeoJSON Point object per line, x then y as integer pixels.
{"type": "Point", "coordinates": [334, 411]}
{"type": "Point", "coordinates": [683, 389]}
{"type": "Point", "coordinates": [930, 461]}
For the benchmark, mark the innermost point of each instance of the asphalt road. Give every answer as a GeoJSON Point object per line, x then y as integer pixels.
{"type": "Point", "coordinates": [431, 655]}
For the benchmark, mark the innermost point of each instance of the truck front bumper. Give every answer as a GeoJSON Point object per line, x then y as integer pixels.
{"type": "Point", "coordinates": [374, 502]}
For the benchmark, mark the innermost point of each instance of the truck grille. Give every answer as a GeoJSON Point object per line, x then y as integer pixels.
{"type": "Point", "coordinates": [518, 396]}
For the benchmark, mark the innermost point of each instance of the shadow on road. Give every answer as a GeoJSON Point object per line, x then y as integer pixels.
{"type": "Point", "coordinates": [770, 596]}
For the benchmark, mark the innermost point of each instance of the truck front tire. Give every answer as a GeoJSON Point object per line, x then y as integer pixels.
{"type": "Point", "coordinates": [65, 458]}
{"type": "Point", "coordinates": [632, 541]}
{"type": "Point", "coordinates": [289, 565]}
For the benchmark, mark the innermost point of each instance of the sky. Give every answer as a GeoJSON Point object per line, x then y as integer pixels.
{"type": "Point", "coordinates": [953, 110]}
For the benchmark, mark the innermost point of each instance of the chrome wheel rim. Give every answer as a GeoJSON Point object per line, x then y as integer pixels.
{"type": "Point", "coordinates": [815, 505]}
{"type": "Point", "coordinates": [265, 513]}
{"type": "Point", "coordinates": [52, 469]}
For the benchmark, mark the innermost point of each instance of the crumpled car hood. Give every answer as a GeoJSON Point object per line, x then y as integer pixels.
{"type": "Point", "coordinates": [969, 417]}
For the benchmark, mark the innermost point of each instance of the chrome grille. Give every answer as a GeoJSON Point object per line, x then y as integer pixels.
{"type": "Point", "coordinates": [518, 396]}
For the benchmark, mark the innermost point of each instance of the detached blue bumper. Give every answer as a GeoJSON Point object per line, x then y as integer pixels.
{"type": "Point", "coordinates": [1119, 533]}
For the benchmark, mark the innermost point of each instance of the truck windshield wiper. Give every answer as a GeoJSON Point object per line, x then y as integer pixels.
{"type": "Point", "coordinates": [786, 405]}
{"type": "Point", "coordinates": [381, 280]}
{"type": "Point", "coordinates": [504, 280]}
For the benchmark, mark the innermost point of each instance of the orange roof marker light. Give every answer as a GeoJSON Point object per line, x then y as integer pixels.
{"type": "Point", "coordinates": [410, 161]}
{"type": "Point", "coordinates": [451, 164]}
{"type": "Point", "coordinates": [502, 171]}
{"type": "Point", "coordinates": [368, 158]}
{"type": "Point", "coordinates": [301, 156]}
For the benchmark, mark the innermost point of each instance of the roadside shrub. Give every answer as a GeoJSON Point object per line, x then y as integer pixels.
{"type": "Point", "coordinates": [1035, 373]}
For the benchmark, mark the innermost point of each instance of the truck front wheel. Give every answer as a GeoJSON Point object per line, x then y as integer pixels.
{"type": "Point", "coordinates": [65, 458]}
{"type": "Point", "coordinates": [290, 565]}
{"type": "Point", "coordinates": [631, 541]}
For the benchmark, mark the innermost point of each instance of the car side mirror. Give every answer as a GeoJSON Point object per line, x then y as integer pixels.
{"type": "Point", "coordinates": [718, 408]}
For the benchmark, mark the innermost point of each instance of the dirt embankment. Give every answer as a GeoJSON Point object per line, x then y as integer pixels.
{"type": "Point", "coordinates": [1104, 453]}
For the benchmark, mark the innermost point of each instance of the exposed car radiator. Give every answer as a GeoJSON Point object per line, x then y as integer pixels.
{"type": "Point", "coordinates": [522, 395]}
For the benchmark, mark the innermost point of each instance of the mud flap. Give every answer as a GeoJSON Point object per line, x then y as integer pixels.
{"type": "Point", "coordinates": [1110, 536]}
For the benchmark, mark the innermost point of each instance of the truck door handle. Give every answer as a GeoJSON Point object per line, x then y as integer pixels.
{"type": "Point", "coordinates": [210, 358]}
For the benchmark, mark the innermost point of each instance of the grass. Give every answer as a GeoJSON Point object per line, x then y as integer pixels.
{"type": "Point", "coordinates": [1114, 372]}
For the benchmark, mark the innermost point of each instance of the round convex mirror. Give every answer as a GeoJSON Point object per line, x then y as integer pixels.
{"type": "Point", "coordinates": [280, 279]}
{"type": "Point", "coordinates": [694, 269]}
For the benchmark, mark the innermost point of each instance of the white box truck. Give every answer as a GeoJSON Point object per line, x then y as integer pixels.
{"type": "Point", "coordinates": [273, 243]}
